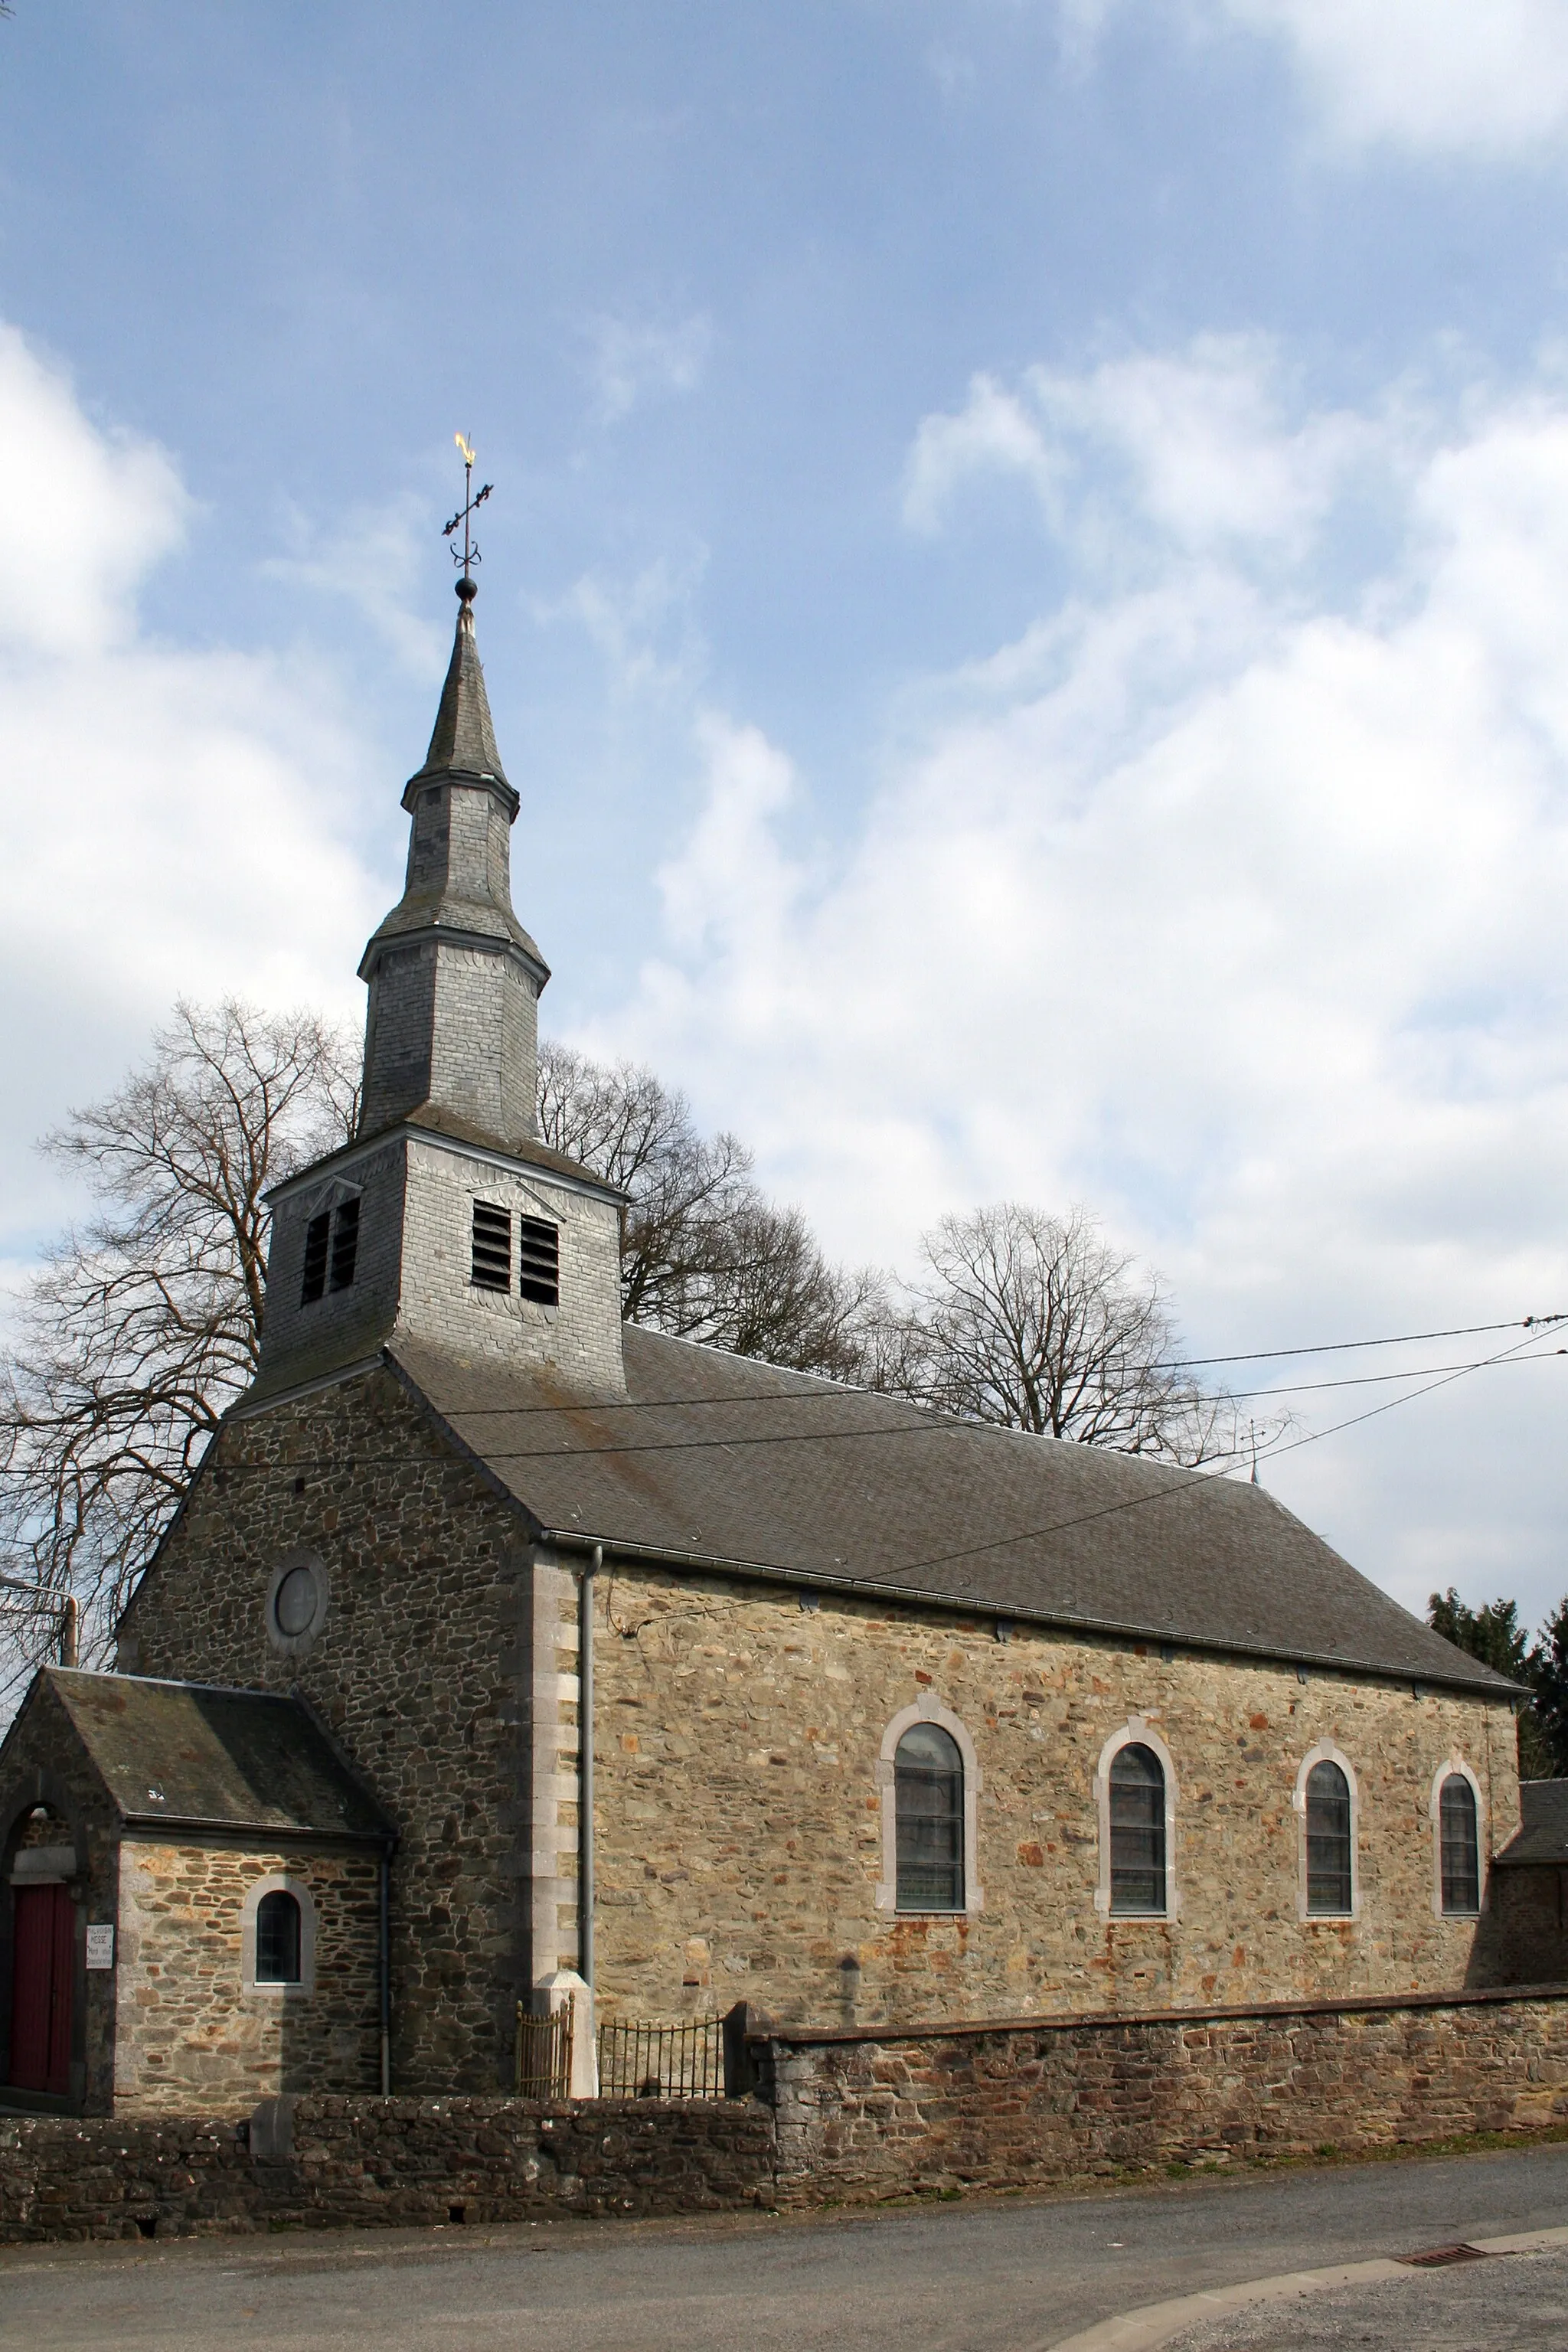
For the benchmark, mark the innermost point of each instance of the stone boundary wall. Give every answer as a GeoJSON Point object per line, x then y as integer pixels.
{"type": "Point", "coordinates": [404, 2162]}
{"type": "Point", "coordinates": [847, 2117]}
{"type": "Point", "coordinates": [865, 2115]}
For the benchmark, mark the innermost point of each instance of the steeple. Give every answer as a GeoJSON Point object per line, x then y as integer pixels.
{"type": "Point", "coordinates": [452, 1031]}
{"type": "Point", "coordinates": [447, 1223]}
{"type": "Point", "coordinates": [463, 741]}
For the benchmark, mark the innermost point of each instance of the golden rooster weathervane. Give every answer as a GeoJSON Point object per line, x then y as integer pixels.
{"type": "Point", "coordinates": [465, 515]}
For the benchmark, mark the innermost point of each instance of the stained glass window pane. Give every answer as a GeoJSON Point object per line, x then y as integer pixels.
{"type": "Point", "coordinates": [1328, 1840]}
{"type": "Point", "coordinates": [1461, 1850]}
{"type": "Point", "coordinates": [1137, 1831]}
{"type": "Point", "coordinates": [277, 1939]}
{"type": "Point", "coordinates": [927, 1798]}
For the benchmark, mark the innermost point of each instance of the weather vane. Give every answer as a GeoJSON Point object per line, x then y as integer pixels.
{"type": "Point", "coordinates": [465, 515]}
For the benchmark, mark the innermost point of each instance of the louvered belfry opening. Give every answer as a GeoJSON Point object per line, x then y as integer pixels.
{"type": "Point", "coordinates": [345, 1245]}
{"type": "Point", "coordinates": [331, 1250]}
{"type": "Point", "coordinates": [318, 1234]}
{"type": "Point", "coordinates": [539, 1261]}
{"type": "Point", "coordinates": [492, 1247]}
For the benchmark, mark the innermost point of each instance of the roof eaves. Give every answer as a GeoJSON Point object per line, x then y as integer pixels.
{"type": "Point", "coordinates": [262, 1833]}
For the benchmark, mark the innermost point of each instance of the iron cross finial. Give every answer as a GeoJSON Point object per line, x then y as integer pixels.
{"type": "Point", "coordinates": [465, 515]}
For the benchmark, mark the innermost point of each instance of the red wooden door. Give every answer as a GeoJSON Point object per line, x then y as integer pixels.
{"type": "Point", "coordinates": [43, 1965]}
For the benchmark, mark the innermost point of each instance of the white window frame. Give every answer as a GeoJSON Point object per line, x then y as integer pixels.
{"type": "Point", "coordinates": [1136, 1732]}
{"type": "Point", "coordinates": [278, 1881]}
{"type": "Point", "coordinates": [1325, 1752]}
{"type": "Point", "coordinates": [928, 1710]}
{"type": "Point", "coordinates": [1446, 1770]}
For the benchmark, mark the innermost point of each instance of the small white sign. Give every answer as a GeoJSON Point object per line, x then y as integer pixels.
{"type": "Point", "coordinates": [101, 1947]}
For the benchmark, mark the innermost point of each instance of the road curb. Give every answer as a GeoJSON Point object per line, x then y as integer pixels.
{"type": "Point", "coordinates": [1156, 2323]}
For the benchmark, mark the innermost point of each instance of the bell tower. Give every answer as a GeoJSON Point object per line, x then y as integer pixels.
{"type": "Point", "coordinates": [452, 1030]}
{"type": "Point", "coordinates": [447, 1223]}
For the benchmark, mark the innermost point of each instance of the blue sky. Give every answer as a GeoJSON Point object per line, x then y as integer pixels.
{"type": "Point", "coordinates": [1026, 594]}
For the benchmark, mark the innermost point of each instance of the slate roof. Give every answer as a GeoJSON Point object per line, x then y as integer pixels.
{"type": "Point", "coordinates": [229, 1759]}
{"type": "Point", "coordinates": [1543, 1834]}
{"type": "Point", "coordinates": [463, 738]}
{"type": "Point", "coordinates": [717, 1460]}
{"type": "Point", "coordinates": [527, 1148]}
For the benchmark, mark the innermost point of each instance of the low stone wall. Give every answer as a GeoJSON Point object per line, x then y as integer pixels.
{"type": "Point", "coordinates": [843, 2116]}
{"type": "Point", "coordinates": [1011, 2107]}
{"type": "Point", "coordinates": [408, 2162]}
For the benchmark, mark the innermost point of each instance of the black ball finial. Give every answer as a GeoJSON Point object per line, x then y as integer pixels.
{"type": "Point", "coordinates": [467, 588]}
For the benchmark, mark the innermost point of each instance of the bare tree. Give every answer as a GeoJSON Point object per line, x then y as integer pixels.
{"type": "Point", "coordinates": [1037, 1322]}
{"type": "Point", "coordinates": [705, 1255]}
{"type": "Point", "coordinates": [141, 1328]}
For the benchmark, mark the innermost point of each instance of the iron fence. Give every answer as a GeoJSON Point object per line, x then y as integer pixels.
{"type": "Point", "coordinates": [639, 2060]}
{"type": "Point", "coordinates": [543, 2054]}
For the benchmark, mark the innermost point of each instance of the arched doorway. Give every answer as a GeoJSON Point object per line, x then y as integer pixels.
{"type": "Point", "coordinates": [43, 1961]}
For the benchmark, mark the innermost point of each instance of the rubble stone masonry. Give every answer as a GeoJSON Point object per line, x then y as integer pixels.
{"type": "Point", "coordinates": [740, 1821]}
{"type": "Point", "coordinates": [848, 2120]}
{"type": "Point", "coordinates": [192, 2035]}
{"type": "Point", "coordinates": [422, 1669]}
{"type": "Point", "coordinates": [740, 1828]}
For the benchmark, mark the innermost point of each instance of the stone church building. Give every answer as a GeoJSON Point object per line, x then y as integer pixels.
{"type": "Point", "coordinates": [494, 1638]}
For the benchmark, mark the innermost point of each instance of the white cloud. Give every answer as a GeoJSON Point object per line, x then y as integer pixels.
{"type": "Point", "coordinates": [1428, 77]}
{"type": "Point", "coordinates": [174, 821]}
{"type": "Point", "coordinates": [377, 560]}
{"type": "Point", "coordinates": [637, 360]}
{"type": "Point", "coordinates": [1227, 904]}
{"type": "Point", "coordinates": [1202, 443]}
{"type": "Point", "coordinates": [645, 626]}
{"type": "Point", "coordinates": [83, 513]}
{"type": "Point", "coordinates": [1443, 75]}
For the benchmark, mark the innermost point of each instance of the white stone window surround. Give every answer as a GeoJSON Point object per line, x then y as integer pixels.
{"type": "Point", "coordinates": [928, 1710]}
{"type": "Point", "coordinates": [1325, 1752]}
{"type": "Point", "coordinates": [1448, 1767]}
{"type": "Point", "coordinates": [278, 1882]}
{"type": "Point", "coordinates": [1138, 1731]}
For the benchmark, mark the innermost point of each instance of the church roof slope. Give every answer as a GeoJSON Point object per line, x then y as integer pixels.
{"type": "Point", "coordinates": [1543, 1834]}
{"type": "Point", "coordinates": [229, 1759]}
{"type": "Point", "coordinates": [717, 1460]}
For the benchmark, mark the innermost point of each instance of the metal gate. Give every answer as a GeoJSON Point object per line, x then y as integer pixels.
{"type": "Point", "coordinates": [641, 2060]}
{"type": "Point", "coordinates": [543, 2054]}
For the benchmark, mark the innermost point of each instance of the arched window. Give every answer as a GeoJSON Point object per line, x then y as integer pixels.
{"type": "Point", "coordinates": [928, 1796]}
{"type": "Point", "coordinates": [1137, 1830]}
{"type": "Point", "coordinates": [1461, 1846]}
{"type": "Point", "coordinates": [277, 1939]}
{"type": "Point", "coordinates": [1328, 1880]}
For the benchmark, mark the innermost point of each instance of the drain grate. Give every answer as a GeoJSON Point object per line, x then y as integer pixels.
{"type": "Point", "coordinates": [1437, 2258]}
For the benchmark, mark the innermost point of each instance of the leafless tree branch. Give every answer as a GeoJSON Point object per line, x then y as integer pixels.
{"type": "Point", "coordinates": [1037, 1322]}
{"type": "Point", "coordinates": [141, 1327]}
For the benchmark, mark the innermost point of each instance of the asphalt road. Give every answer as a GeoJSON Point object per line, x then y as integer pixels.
{"type": "Point", "coordinates": [970, 2277]}
{"type": "Point", "coordinates": [1476, 2307]}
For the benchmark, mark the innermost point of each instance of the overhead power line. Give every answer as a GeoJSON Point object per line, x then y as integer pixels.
{"type": "Point", "coordinates": [832, 1391]}
{"type": "Point", "coordinates": [1337, 1346]}
{"type": "Point", "coordinates": [1191, 1482]}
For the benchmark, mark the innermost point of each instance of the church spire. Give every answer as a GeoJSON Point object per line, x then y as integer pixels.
{"type": "Point", "coordinates": [451, 1035]}
{"type": "Point", "coordinates": [463, 741]}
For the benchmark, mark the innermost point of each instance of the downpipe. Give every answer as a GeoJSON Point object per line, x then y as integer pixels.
{"type": "Point", "coordinates": [591, 1568]}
